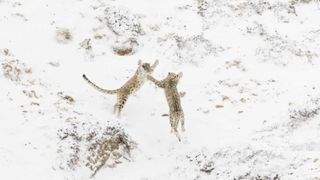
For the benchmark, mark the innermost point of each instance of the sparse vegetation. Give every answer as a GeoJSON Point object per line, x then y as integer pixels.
{"type": "Point", "coordinates": [204, 163]}
{"type": "Point", "coordinates": [122, 22]}
{"type": "Point", "coordinates": [294, 2]}
{"type": "Point", "coordinates": [187, 50]}
{"type": "Point", "coordinates": [257, 177]}
{"type": "Point", "coordinates": [63, 35]}
{"type": "Point", "coordinates": [303, 114]}
{"type": "Point", "coordinates": [126, 47]}
{"type": "Point", "coordinates": [67, 98]}
{"type": "Point", "coordinates": [13, 69]}
{"type": "Point", "coordinates": [94, 145]}
{"type": "Point", "coordinates": [202, 7]}
{"type": "Point", "coordinates": [86, 44]}
{"type": "Point", "coordinates": [122, 51]}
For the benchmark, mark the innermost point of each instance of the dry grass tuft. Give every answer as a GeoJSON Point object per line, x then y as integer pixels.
{"type": "Point", "coordinates": [63, 36]}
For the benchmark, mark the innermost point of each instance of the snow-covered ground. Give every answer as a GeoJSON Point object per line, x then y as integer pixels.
{"type": "Point", "coordinates": [251, 76]}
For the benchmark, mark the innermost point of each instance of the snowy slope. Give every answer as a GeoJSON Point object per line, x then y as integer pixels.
{"type": "Point", "coordinates": [251, 77]}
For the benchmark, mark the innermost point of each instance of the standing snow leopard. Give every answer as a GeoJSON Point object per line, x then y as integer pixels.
{"type": "Point", "coordinates": [130, 87]}
{"type": "Point", "coordinates": [169, 84]}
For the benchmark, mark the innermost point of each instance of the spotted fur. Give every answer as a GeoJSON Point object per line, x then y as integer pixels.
{"type": "Point", "coordinates": [176, 115]}
{"type": "Point", "coordinates": [130, 87]}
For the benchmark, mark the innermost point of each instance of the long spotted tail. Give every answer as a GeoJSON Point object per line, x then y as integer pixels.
{"type": "Point", "coordinates": [99, 88]}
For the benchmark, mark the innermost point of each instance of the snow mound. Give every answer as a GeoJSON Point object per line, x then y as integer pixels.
{"type": "Point", "coordinates": [300, 114]}
{"type": "Point", "coordinates": [122, 22]}
{"type": "Point", "coordinates": [192, 49]}
{"type": "Point", "coordinates": [93, 145]}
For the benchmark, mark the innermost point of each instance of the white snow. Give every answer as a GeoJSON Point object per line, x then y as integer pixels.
{"type": "Point", "coordinates": [250, 73]}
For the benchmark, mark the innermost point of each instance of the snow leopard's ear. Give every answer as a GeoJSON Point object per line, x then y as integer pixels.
{"type": "Point", "coordinates": [180, 74]}
{"type": "Point", "coordinates": [139, 62]}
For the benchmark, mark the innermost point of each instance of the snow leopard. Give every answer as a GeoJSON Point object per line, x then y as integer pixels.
{"type": "Point", "coordinates": [176, 115]}
{"type": "Point", "coordinates": [129, 88]}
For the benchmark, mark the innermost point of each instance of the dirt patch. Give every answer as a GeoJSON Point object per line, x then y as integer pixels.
{"type": "Point", "coordinates": [125, 47]}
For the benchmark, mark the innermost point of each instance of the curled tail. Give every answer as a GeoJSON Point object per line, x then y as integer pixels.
{"type": "Point", "coordinates": [99, 88]}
